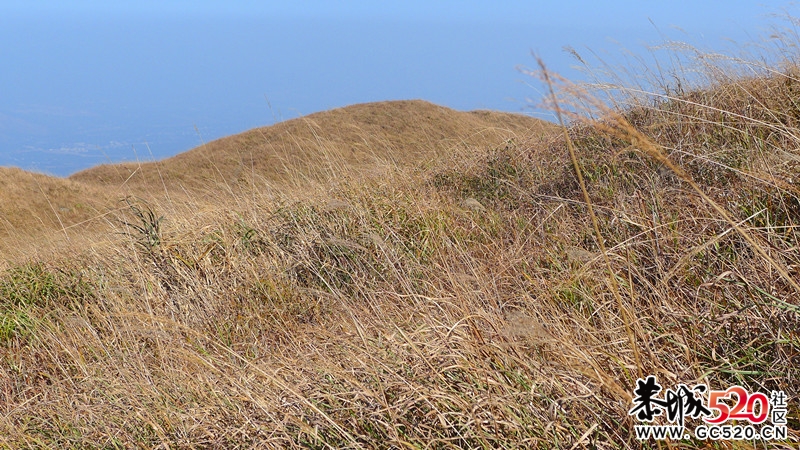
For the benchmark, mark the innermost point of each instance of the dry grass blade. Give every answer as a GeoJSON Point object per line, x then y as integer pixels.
{"type": "Point", "coordinates": [623, 309]}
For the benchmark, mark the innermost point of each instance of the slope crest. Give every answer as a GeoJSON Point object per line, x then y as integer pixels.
{"type": "Point", "coordinates": [320, 144]}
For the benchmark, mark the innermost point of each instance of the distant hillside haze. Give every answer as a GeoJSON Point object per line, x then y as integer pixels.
{"type": "Point", "coordinates": [91, 91]}
{"type": "Point", "coordinates": [88, 82]}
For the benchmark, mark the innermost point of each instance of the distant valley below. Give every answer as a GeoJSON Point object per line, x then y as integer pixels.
{"type": "Point", "coordinates": [62, 149]}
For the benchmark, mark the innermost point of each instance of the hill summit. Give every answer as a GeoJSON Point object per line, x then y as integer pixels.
{"type": "Point", "coordinates": [317, 147]}
{"type": "Point", "coordinates": [352, 137]}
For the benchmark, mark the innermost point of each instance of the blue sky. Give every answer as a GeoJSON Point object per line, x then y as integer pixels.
{"type": "Point", "coordinates": [86, 82]}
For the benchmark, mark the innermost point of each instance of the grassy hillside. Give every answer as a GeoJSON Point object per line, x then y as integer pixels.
{"type": "Point", "coordinates": [319, 146]}
{"type": "Point", "coordinates": [37, 209]}
{"type": "Point", "coordinates": [475, 301]}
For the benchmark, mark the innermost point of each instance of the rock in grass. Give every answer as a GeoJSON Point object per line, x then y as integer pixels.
{"type": "Point", "coordinates": [473, 205]}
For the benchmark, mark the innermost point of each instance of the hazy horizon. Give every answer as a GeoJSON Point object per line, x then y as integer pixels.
{"type": "Point", "coordinates": [93, 83]}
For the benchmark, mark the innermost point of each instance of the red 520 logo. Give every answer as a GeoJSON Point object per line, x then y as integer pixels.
{"type": "Point", "coordinates": [744, 406]}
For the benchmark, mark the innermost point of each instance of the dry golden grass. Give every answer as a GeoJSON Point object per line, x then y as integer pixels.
{"type": "Point", "coordinates": [468, 302]}
{"type": "Point", "coordinates": [36, 208]}
{"type": "Point", "coordinates": [318, 147]}
{"type": "Point", "coordinates": [38, 211]}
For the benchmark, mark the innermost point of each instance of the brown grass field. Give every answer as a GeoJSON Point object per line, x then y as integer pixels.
{"type": "Point", "coordinates": [402, 275]}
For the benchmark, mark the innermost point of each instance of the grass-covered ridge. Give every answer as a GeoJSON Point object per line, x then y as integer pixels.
{"type": "Point", "coordinates": [460, 303]}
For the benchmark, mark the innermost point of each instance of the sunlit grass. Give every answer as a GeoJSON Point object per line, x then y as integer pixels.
{"type": "Point", "coordinates": [466, 302]}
